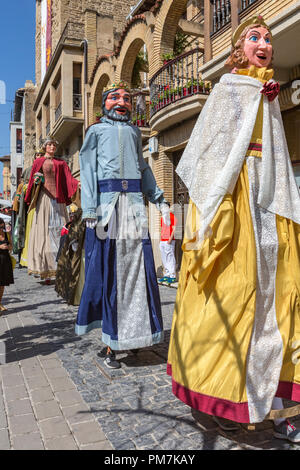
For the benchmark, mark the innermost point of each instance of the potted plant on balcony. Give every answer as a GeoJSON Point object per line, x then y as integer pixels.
{"type": "Point", "coordinates": [181, 42]}
{"type": "Point", "coordinates": [167, 97]}
{"type": "Point", "coordinates": [141, 121]}
{"type": "Point", "coordinates": [140, 65]}
{"type": "Point", "coordinates": [167, 57]}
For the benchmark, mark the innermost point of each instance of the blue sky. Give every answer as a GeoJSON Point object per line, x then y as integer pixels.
{"type": "Point", "coordinates": [17, 59]}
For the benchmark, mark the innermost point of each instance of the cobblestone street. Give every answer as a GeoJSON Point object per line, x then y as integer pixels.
{"type": "Point", "coordinates": [57, 394]}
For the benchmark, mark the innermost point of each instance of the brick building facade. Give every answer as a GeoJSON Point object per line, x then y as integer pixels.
{"type": "Point", "coordinates": [185, 42]}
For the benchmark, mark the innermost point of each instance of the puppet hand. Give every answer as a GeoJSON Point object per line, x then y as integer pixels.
{"type": "Point", "coordinates": [74, 245]}
{"type": "Point", "coordinates": [271, 90]}
{"type": "Point", "coordinates": [90, 223]}
{"type": "Point", "coordinates": [38, 178]}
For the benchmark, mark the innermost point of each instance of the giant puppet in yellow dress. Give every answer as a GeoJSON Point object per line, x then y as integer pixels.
{"type": "Point", "coordinates": [236, 325]}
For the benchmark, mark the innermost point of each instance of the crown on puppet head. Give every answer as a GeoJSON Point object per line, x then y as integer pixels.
{"type": "Point", "coordinates": [254, 20]}
{"type": "Point", "coordinates": [73, 207]}
{"type": "Point", "coordinates": [117, 86]}
{"type": "Point", "coordinates": [40, 150]}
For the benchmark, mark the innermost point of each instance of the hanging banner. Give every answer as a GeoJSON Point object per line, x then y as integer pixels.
{"type": "Point", "coordinates": [43, 37]}
{"type": "Point", "coordinates": [49, 33]}
{"type": "Point", "coordinates": [46, 36]}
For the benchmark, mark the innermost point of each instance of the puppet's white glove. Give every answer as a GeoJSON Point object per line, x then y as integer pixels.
{"type": "Point", "coordinates": [90, 223]}
{"type": "Point", "coordinates": [74, 245]}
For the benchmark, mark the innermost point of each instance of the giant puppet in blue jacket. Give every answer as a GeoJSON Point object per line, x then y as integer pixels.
{"type": "Point", "coordinates": [120, 294]}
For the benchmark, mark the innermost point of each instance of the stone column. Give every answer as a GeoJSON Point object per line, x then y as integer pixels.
{"type": "Point", "coordinates": [234, 14]}
{"type": "Point", "coordinates": [90, 28]}
{"type": "Point", "coordinates": [207, 31]}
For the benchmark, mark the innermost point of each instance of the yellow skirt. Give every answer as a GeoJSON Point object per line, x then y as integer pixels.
{"type": "Point", "coordinates": [235, 339]}
{"type": "Point", "coordinates": [24, 254]}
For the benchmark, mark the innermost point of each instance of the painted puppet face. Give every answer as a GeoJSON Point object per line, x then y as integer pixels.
{"type": "Point", "coordinates": [51, 148]}
{"type": "Point", "coordinates": [258, 47]}
{"type": "Point", "coordinates": [118, 104]}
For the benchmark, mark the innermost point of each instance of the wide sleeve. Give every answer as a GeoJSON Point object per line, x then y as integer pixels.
{"type": "Point", "coordinates": [88, 175]}
{"type": "Point", "coordinates": [149, 186]}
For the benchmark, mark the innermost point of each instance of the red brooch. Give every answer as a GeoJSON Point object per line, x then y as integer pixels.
{"type": "Point", "coordinates": [271, 90]}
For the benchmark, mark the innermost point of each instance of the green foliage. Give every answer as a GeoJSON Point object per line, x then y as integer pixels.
{"type": "Point", "coordinates": [140, 65]}
{"type": "Point", "coordinates": [180, 43]}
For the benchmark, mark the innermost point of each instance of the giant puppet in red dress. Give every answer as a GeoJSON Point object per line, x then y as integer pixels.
{"type": "Point", "coordinates": [51, 187]}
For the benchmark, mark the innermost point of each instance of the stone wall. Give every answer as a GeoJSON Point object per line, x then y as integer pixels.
{"type": "Point", "coordinates": [110, 20]}
{"type": "Point", "coordinates": [30, 95]}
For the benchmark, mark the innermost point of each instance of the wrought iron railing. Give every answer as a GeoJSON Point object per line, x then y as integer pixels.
{"type": "Point", "coordinates": [58, 112]}
{"type": "Point", "coordinates": [221, 14]}
{"type": "Point", "coordinates": [77, 102]}
{"type": "Point", "coordinates": [176, 80]}
{"type": "Point", "coordinates": [141, 108]}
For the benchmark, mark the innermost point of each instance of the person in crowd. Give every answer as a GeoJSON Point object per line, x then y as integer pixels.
{"type": "Point", "coordinates": [236, 322]}
{"type": "Point", "coordinates": [6, 268]}
{"type": "Point", "coordinates": [167, 250]}
{"type": "Point", "coordinates": [120, 293]}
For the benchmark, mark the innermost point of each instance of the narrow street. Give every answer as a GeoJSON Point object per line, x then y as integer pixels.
{"type": "Point", "coordinates": [57, 394]}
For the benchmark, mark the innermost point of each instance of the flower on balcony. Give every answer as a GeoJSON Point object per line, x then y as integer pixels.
{"type": "Point", "coordinates": [141, 121]}
{"type": "Point", "coordinates": [167, 57]}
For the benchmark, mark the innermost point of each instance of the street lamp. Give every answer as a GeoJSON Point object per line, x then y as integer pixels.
{"type": "Point", "coordinates": [13, 180]}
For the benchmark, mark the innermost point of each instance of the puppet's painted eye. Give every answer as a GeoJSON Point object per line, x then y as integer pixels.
{"type": "Point", "coordinates": [253, 38]}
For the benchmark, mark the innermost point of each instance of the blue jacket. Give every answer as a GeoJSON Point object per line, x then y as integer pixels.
{"type": "Point", "coordinates": [113, 150]}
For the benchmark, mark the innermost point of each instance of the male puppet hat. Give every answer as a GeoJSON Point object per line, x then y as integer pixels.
{"type": "Point", "coordinates": [254, 20]}
{"type": "Point", "coordinates": [40, 151]}
{"type": "Point", "coordinates": [117, 86]}
{"type": "Point", "coordinates": [113, 87]}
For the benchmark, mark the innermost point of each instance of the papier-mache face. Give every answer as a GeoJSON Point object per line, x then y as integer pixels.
{"type": "Point", "coordinates": [118, 105]}
{"type": "Point", "coordinates": [258, 46]}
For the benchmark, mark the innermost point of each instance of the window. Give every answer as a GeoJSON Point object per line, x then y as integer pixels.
{"type": "Point", "coordinates": [19, 141]}
{"type": "Point", "coordinates": [76, 86]}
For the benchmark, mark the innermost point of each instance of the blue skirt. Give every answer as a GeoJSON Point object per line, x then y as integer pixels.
{"type": "Point", "coordinates": [120, 293]}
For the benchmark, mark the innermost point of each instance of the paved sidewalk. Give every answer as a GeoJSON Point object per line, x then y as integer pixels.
{"type": "Point", "coordinates": [55, 393]}
{"type": "Point", "coordinates": [40, 407]}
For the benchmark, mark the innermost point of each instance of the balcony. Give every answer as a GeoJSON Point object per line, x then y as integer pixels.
{"type": "Point", "coordinates": [221, 14]}
{"type": "Point", "coordinates": [58, 112]}
{"type": "Point", "coordinates": [177, 91]}
{"type": "Point", "coordinates": [246, 3]}
{"type": "Point", "coordinates": [48, 129]}
{"type": "Point", "coordinates": [77, 102]}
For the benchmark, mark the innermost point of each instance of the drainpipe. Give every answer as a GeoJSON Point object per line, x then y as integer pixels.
{"type": "Point", "coordinates": [85, 75]}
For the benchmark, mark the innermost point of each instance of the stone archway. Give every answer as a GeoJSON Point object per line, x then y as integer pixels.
{"type": "Point", "coordinates": [166, 25]}
{"type": "Point", "coordinates": [138, 35]}
{"type": "Point", "coordinates": [102, 77]}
